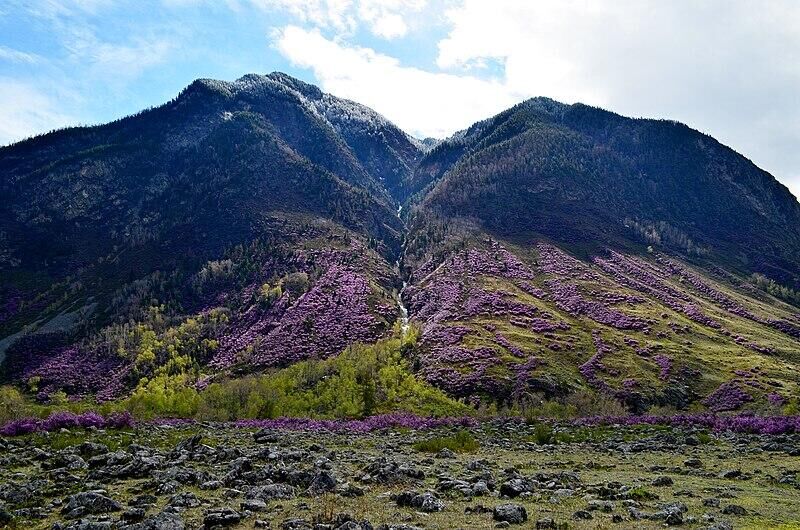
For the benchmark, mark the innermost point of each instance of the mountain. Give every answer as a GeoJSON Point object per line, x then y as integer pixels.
{"type": "Point", "coordinates": [548, 251]}
{"type": "Point", "coordinates": [585, 176]}
{"type": "Point", "coordinates": [230, 195]}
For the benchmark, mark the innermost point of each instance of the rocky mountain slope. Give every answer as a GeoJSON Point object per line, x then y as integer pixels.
{"type": "Point", "coordinates": [548, 251]}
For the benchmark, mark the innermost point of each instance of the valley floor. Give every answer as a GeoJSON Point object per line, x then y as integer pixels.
{"type": "Point", "coordinates": [497, 474]}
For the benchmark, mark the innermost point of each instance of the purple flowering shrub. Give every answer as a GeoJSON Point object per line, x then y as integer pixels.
{"type": "Point", "coordinates": [726, 302]}
{"type": "Point", "coordinates": [335, 312]}
{"type": "Point", "coordinates": [771, 425]}
{"type": "Point", "coordinates": [378, 422]}
{"type": "Point", "coordinates": [590, 368]}
{"type": "Point", "coordinates": [776, 400]}
{"type": "Point", "coordinates": [728, 396]}
{"type": "Point", "coordinates": [79, 371]}
{"type": "Point", "coordinates": [67, 420]}
{"type": "Point", "coordinates": [477, 307]}
{"type": "Point", "coordinates": [665, 365]}
{"type": "Point", "coordinates": [344, 297]}
{"type": "Point", "coordinates": [650, 279]}
{"type": "Point", "coordinates": [565, 270]}
{"type": "Point", "coordinates": [450, 301]}
{"type": "Point", "coordinates": [372, 423]}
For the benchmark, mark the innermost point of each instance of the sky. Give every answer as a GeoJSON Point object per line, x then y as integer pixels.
{"type": "Point", "coordinates": [729, 68]}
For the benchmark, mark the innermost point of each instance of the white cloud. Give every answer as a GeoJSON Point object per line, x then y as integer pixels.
{"type": "Point", "coordinates": [16, 56]}
{"type": "Point", "coordinates": [109, 61]}
{"type": "Point", "coordinates": [383, 18]}
{"type": "Point", "coordinates": [26, 111]}
{"type": "Point", "coordinates": [423, 103]}
{"type": "Point", "coordinates": [336, 14]}
{"type": "Point", "coordinates": [387, 18]}
{"type": "Point", "coordinates": [61, 8]}
{"type": "Point", "coordinates": [720, 66]}
{"type": "Point", "coordinates": [724, 67]}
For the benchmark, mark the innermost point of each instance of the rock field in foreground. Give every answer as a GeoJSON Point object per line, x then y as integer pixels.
{"type": "Point", "coordinates": [217, 476]}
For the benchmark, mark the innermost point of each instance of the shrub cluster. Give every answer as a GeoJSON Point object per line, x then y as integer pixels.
{"type": "Point", "coordinates": [460, 442]}
{"type": "Point", "coordinates": [67, 420]}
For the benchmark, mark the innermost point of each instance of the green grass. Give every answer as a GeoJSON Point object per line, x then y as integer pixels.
{"type": "Point", "coordinates": [544, 434]}
{"type": "Point", "coordinates": [641, 494]}
{"type": "Point", "coordinates": [461, 442]}
{"type": "Point", "coordinates": [704, 438]}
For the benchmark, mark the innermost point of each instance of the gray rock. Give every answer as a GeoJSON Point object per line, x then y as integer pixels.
{"type": "Point", "coordinates": [224, 516]}
{"type": "Point", "coordinates": [270, 492]}
{"type": "Point", "coordinates": [90, 449]}
{"type": "Point", "coordinates": [603, 506]}
{"type": "Point", "coordinates": [515, 487]}
{"type": "Point", "coordinates": [671, 514]}
{"type": "Point", "coordinates": [734, 509]}
{"type": "Point", "coordinates": [71, 462]}
{"type": "Point", "coordinates": [211, 485]}
{"type": "Point", "coordinates": [296, 524]}
{"type": "Point", "coordinates": [89, 502]}
{"type": "Point", "coordinates": [322, 482]}
{"type": "Point", "coordinates": [144, 500]}
{"type": "Point", "coordinates": [188, 445]}
{"type": "Point", "coordinates": [350, 490]}
{"type": "Point", "coordinates": [133, 514]}
{"type": "Point", "coordinates": [424, 502]}
{"type": "Point", "coordinates": [5, 517]}
{"type": "Point", "coordinates": [582, 515]}
{"type": "Point", "coordinates": [386, 471]}
{"type": "Point", "coordinates": [480, 488]}
{"type": "Point", "coordinates": [445, 454]}
{"type": "Point", "coordinates": [185, 499]}
{"type": "Point", "coordinates": [84, 524]}
{"type": "Point", "coordinates": [662, 481]}
{"type": "Point", "coordinates": [253, 505]}
{"type": "Point", "coordinates": [161, 521]}
{"type": "Point", "coordinates": [510, 513]}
